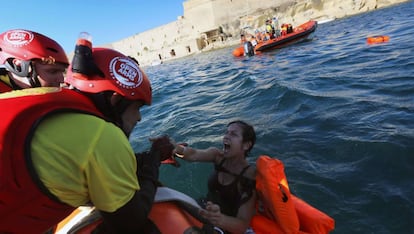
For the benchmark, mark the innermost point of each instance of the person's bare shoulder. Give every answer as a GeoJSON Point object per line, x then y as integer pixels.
{"type": "Point", "coordinates": [251, 172]}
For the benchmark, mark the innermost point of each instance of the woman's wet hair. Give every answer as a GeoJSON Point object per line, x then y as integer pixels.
{"type": "Point", "coordinates": [248, 133]}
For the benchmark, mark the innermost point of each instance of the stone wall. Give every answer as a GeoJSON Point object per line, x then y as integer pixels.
{"type": "Point", "coordinates": [190, 33]}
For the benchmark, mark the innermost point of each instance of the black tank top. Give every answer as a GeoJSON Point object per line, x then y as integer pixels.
{"type": "Point", "coordinates": [230, 197]}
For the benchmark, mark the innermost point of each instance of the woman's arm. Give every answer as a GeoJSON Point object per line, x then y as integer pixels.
{"type": "Point", "coordinates": [197, 155]}
{"type": "Point", "coordinates": [231, 224]}
{"type": "Point", "coordinates": [241, 222]}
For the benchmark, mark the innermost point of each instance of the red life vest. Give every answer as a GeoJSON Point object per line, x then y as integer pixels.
{"type": "Point", "coordinates": [26, 205]}
{"type": "Point", "coordinates": [4, 87]}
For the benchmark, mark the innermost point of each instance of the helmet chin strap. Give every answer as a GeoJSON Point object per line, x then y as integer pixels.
{"type": "Point", "coordinates": [34, 81]}
{"type": "Point", "coordinates": [24, 69]}
{"type": "Point", "coordinates": [103, 103]}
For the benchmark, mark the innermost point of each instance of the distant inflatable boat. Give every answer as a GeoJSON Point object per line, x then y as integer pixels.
{"type": "Point", "coordinates": [300, 33]}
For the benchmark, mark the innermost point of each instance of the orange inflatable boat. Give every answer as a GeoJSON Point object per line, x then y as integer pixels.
{"type": "Point", "coordinates": [299, 33]}
{"type": "Point", "coordinates": [279, 211]}
{"type": "Point", "coordinates": [173, 213]}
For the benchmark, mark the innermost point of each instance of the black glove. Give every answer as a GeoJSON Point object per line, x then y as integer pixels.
{"type": "Point", "coordinates": [162, 148]}
{"type": "Point", "coordinates": [149, 162]}
{"type": "Point", "coordinates": [147, 167]}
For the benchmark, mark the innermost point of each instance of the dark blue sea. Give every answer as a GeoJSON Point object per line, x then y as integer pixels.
{"type": "Point", "coordinates": [338, 112]}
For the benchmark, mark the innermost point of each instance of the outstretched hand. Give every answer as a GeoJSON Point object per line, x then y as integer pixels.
{"type": "Point", "coordinates": [162, 146]}
{"type": "Point", "coordinates": [179, 149]}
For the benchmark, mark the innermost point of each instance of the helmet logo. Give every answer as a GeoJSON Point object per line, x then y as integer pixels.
{"type": "Point", "coordinates": [18, 38]}
{"type": "Point", "coordinates": [125, 73]}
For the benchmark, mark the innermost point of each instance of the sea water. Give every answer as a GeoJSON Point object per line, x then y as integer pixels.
{"type": "Point", "coordinates": [337, 111]}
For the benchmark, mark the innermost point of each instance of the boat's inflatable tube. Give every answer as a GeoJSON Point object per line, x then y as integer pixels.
{"type": "Point", "coordinates": [377, 39]}
{"type": "Point", "coordinates": [238, 52]}
{"type": "Point", "coordinates": [173, 212]}
{"type": "Point", "coordinates": [279, 211]}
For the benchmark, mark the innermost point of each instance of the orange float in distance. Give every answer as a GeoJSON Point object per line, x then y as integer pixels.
{"type": "Point", "coordinates": [377, 39]}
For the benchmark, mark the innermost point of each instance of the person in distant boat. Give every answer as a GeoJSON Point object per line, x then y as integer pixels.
{"type": "Point", "coordinates": [275, 26]}
{"type": "Point", "coordinates": [258, 35]}
{"type": "Point", "coordinates": [289, 28]}
{"type": "Point", "coordinates": [269, 29]}
{"type": "Point", "coordinates": [65, 147]}
{"type": "Point", "coordinates": [29, 59]}
{"type": "Point", "coordinates": [252, 39]}
{"type": "Point", "coordinates": [231, 188]}
{"type": "Point", "coordinates": [284, 28]}
{"type": "Point", "coordinates": [246, 41]}
{"type": "Point", "coordinates": [242, 38]}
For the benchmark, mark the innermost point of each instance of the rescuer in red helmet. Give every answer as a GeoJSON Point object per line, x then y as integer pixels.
{"type": "Point", "coordinates": [62, 148]}
{"type": "Point", "coordinates": [30, 59]}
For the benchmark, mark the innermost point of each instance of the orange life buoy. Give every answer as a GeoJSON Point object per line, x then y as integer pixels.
{"type": "Point", "coordinates": [263, 225]}
{"type": "Point", "coordinates": [279, 211]}
{"type": "Point", "coordinates": [273, 191]}
{"type": "Point", "coordinates": [311, 219]}
{"type": "Point", "coordinates": [377, 39]}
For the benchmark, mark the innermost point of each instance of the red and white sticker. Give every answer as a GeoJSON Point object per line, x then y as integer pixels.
{"type": "Point", "coordinates": [125, 72]}
{"type": "Point", "coordinates": [18, 38]}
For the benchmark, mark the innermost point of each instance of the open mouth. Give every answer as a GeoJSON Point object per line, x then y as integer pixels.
{"type": "Point", "coordinates": [226, 147]}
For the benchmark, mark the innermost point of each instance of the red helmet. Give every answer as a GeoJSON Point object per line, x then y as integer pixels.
{"type": "Point", "coordinates": [114, 72]}
{"type": "Point", "coordinates": [27, 45]}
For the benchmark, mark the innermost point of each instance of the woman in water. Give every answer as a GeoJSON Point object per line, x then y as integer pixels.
{"type": "Point", "coordinates": [231, 187]}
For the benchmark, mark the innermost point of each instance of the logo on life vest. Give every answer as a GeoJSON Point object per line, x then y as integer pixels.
{"type": "Point", "coordinates": [125, 72]}
{"type": "Point", "coordinates": [18, 38]}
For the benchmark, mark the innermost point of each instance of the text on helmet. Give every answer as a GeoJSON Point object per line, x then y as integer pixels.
{"type": "Point", "coordinates": [18, 37]}
{"type": "Point", "coordinates": [125, 72]}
